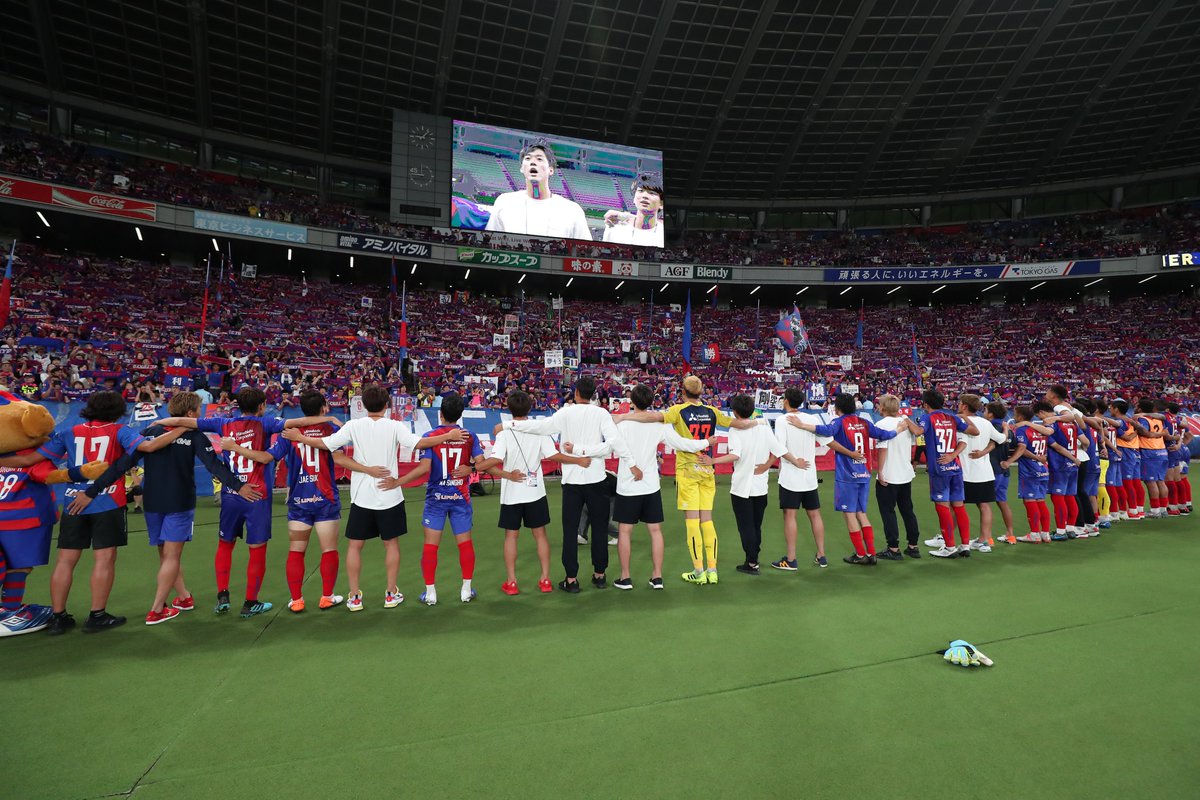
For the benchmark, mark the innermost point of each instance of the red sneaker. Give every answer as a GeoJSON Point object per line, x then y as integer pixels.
{"type": "Point", "coordinates": [545, 586]}
{"type": "Point", "coordinates": [155, 617]}
{"type": "Point", "coordinates": [184, 603]}
{"type": "Point", "coordinates": [510, 588]}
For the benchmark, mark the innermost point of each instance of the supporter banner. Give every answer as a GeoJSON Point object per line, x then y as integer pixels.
{"type": "Point", "coordinates": [367, 302]}
{"type": "Point", "coordinates": [1171, 260]}
{"type": "Point", "coordinates": [501, 340]}
{"type": "Point", "coordinates": [83, 200]}
{"type": "Point", "coordinates": [599, 266]}
{"type": "Point", "coordinates": [711, 353]}
{"type": "Point", "coordinates": [816, 393]}
{"type": "Point", "coordinates": [384, 244]}
{"type": "Point", "coordinates": [782, 359]}
{"type": "Point", "coordinates": [556, 303]}
{"type": "Point", "coordinates": [511, 323]}
{"type": "Point", "coordinates": [1050, 269]}
{"type": "Point", "coordinates": [499, 258]}
{"type": "Point", "coordinates": [845, 362]}
{"type": "Point", "coordinates": [849, 388]}
{"type": "Point", "coordinates": [1053, 269]}
{"type": "Point", "coordinates": [249, 226]}
{"type": "Point", "coordinates": [554, 359]}
{"type": "Point", "coordinates": [695, 272]}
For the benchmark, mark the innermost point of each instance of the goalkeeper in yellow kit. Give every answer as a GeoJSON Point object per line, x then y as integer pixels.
{"type": "Point", "coordinates": [695, 482]}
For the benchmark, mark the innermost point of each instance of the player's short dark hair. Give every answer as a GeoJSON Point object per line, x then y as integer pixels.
{"type": "Point", "coordinates": [544, 146]}
{"type": "Point", "coordinates": [997, 409]}
{"type": "Point", "coordinates": [933, 398]}
{"type": "Point", "coordinates": [452, 407]}
{"type": "Point", "coordinates": [1086, 405]}
{"type": "Point", "coordinates": [104, 406]}
{"type": "Point", "coordinates": [375, 398]}
{"type": "Point", "coordinates": [1172, 407]}
{"type": "Point", "coordinates": [1160, 404]}
{"type": "Point", "coordinates": [585, 387]}
{"type": "Point", "coordinates": [742, 405]}
{"type": "Point", "coordinates": [844, 403]}
{"type": "Point", "coordinates": [250, 398]}
{"type": "Point", "coordinates": [642, 397]}
{"type": "Point", "coordinates": [1060, 390]}
{"type": "Point", "coordinates": [973, 402]}
{"type": "Point", "coordinates": [1119, 404]}
{"type": "Point", "coordinates": [1042, 407]}
{"type": "Point", "coordinates": [1145, 405]}
{"type": "Point", "coordinates": [519, 403]}
{"type": "Point", "coordinates": [651, 182]}
{"type": "Point", "coordinates": [793, 396]}
{"type": "Point", "coordinates": [312, 403]}
{"type": "Point", "coordinates": [1023, 413]}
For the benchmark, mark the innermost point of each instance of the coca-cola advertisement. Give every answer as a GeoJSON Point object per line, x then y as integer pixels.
{"type": "Point", "coordinates": [104, 203]}
{"type": "Point", "coordinates": [18, 189]}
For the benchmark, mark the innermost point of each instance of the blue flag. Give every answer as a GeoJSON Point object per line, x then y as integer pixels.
{"type": "Point", "coordinates": [687, 335]}
{"type": "Point", "coordinates": [916, 358]}
{"type": "Point", "coordinates": [858, 335]}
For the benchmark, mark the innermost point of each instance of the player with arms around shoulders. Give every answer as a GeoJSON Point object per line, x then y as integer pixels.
{"type": "Point", "coordinates": [894, 475]}
{"type": "Point", "coordinates": [1033, 477]}
{"type": "Point", "coordinates": [535, 210]}
{"type": "Point", "coordinates": [943, 445]}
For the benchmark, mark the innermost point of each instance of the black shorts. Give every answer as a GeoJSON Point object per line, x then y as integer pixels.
{"type": "Point", "coordinates": [534, 514]}
{"type": "Point", "coordinates": [809, 501]}
{"type": "Point", "coordinates": [376, 523]}
{"type": "Point", "coordinates": [95, 531]}
{"type": "Point", "coordinates": [981, 492]}
{"type": "Point", "coordinates": [632, 509]}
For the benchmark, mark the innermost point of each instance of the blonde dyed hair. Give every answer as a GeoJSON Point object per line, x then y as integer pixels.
{"type": "Point", "coordinates": [693, 386]}
{"type": "Point", "coordinates": [183, 403]}
{"type": "Point", "coordinates": [888, 405]}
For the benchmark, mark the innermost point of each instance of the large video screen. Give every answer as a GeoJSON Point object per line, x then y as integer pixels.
{"type": "Point", "coordinates": [513, 181]}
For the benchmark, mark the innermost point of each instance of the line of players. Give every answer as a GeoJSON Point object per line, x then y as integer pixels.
{"type": "Point", "coordinates": [1094, 461]}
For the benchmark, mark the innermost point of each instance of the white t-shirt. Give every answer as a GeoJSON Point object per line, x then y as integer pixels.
{"type": "Point", "coordinates": [979, 470]}
{"type": "Point", "coordinates": [376, 443]}
{"type": "Point", "coordinates": [800, 444]}
{"type": "Point", "coordinates": [630, 233]}
{"type": "Point", "coordinates": [555, 216]}
{"type": "Point", "coordinates": [897, 467]}
{"type": "Point", "coordinates": [752, 446]}
{"type": "Point", "coordinates": [583, 425]}
{"type": "Point", "coordinates": [643, 439]}
{"type": "Point", "coordinates": [524, 452]}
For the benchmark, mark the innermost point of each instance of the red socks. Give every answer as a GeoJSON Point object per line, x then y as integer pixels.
{"type": "Point", "coordinates": [329, 571]}
{"type": "Point", "coordinates": [12, 596]}
{"type": "Point", "coordinates": [964, 524]}
{"type": "Point", "coordinates": [946, 523]}
{"type": "Point", "coordinates": [1185, 491]}
{"type": "Point", "coordinates": [1034, 514]}
{"type": "Point", "coordinates": [1072, 509]}
{"type": "Point", "coordinates": [1060, 511]}
{"type": "Point", "coordinates": [466, 559]}
{"type": "Point", "coordinates": [869, 539]}
{"type": "Point", "coordinates": [295, 573]}
{"type": "Point", "coordinates": [429, 563]}
{"type": "Point", "coordinates": [223, 564]}
{"type": "Point", "coordinates": [256, 568]}
{"type": "Point", "coordinates": [856, 538]}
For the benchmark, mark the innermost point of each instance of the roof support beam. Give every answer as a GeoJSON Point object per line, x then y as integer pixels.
{"type": "Point", "coordinates": [814, 105]}
{"type": "Point", "coordinates": [329, 46]}
{"type": "Point", "coordinates": [562, 13]}
{"type": "Point", "coordinates": [1050, 155]}
{"type": "Point", "coordinates": [1166, 132]}
{"type": "Point", "coordinates": [441, 81]}
{"type": "Point", "coordinates": [661, 24]}
{"type": "Point", "coordinates": [42, 24]}
{"type": "Point", "coordinates": [910, 91]}
{"type": "Point", "coordinates": [198, 23]}
{"type": "Point", "coordinates": [749, 50]}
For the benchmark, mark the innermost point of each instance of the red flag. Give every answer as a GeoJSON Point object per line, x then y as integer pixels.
{"type": "Point", "coordinates": [6, 287]}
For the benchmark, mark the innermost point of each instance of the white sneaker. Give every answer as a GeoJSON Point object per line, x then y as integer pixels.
{"type": "Point", "coordinates": [429, 597]}
{"type": "Point", "coordinates": [1079, 533]}
{"type": "Point", "coordinates": [1046, 537]}
{"type": "Point", "coordinates": [581, 539]}
{"type": "Point", "coordinates": [392, 599]}
{"type": "Point", "coordinates": [1031, 538]}
{"type": "Point", "coordinates": [1123, 515]}
{"type": "Point", "coordinates": [355, 602]}
{"type": "Point", "coordinates": [944, 552]}
{"type": "Point", "coordinates": [936, 541]}
{"type": "Point", "coordinates": [466, 595]}
{"type": "Point", "coordinates": [981, 546]}
{"type": "Point", "coordinates": [612, 541]}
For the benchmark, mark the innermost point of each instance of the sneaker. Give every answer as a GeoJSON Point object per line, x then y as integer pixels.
{"type": "Point", "coordinates": [581, 539]}
{"type": "Point", "coordinates": [1082, 533]}
{"type": "Point", "coordinates": [935, 542]}
{"type": "Point", "coordinates": [624, 584]}
{"type": "Point", "coordinates": [184, 603]}
{"type": "Point", "coordinates": [392, 599]}
{"type": "Point", "coordinates": [30, 619]}
{"type": "Point", "coordinates": [328, 601]}
{"type": "Point", "coordinates": [1030, 538]}
{"type": "Point", "coordinates": [964, 551]}
{"type": "Point", "coordinates": [981, 546]}
{"type": "Point", "coordinates": [510, 588]}
{"type": "Point", "coordinates": [168, 612]}
{"type": "Point", "coordinates": [890, 555]}
{"type": "Point", "coordinates": [59, 623]}
{"type": "Point", "coordinates": [599, 581]}
{"type": "Point", "coordinates": [712, 577]}
{"type": "Point", "coordinates": [250, 609]}
{"type": "Point", "coordinates": [222, 606]}
{"type": "Point", "coordinates": [747, 568]}
{"type": "Point", "coordinates": [1059, 537]}
{"type": "Point", "coordinates": [785, 565]}
{"type": "Point", "coordinates": [1045, 538]}
{"type": "Point", "coordinates": [570, 587]}
{"type": "Point", "coordinates": [296, 606]}
{"type": "Point", "coordinates": [103, 622]}
{"type": "Point", "coordinates": [355, 603]}
{"type": "Point", "coordinates": [545, 586]}
{"type": "Point", "coordinates": [1009, 539]}
{"type": "Point", "coordinates": [612, 541]}
{"type": "Point", "coordinates": [821, 561]}
{"type": "Point", "coordinates": [862, 561]}
{"type": "Point", "coordinates": [912, 551]}
{"type": "Point", "coordinates": [429, 597]}
{"type": "Point", "coordinates": [699, 579]}
{"type": "Point", "coordinates": [944, 552]}
{"type": "Point", "coordinates": [656, 583]}
{"type": "Point", "coordinates": [467, 595]}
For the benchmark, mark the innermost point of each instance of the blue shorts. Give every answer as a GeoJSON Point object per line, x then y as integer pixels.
{"type": "Point", "coordinates": [1115, 471]}
{"type": "Point", "coordinates": [1091, 483]}
{"type": "Point", "coordinates": [238, 513]}
{"type": "Point", "coordinates": [1131, 464]}
{"type": "Point", "coordinates": [460, 513]}
{"type": "Point", "coordinates": [1002, 479]}
{"type": "Point", "coordinates": [173, 527]}
{"type": "Point", "coordinates": [312, 513]}
{"type": "Point", "coordinates": [1154, 465]}
{"type": "Point", "coordinates": [851, 496]}
{"type": "Point", "coordinates": [28, 548]}
{"type": "Point", "coordinates": [946, 488]}
{"type": "Point", "coordinates": [1031, 488]}
{"type": "Point", "coordinates": [1183, 466]}
{"type": "Point", "coordinates": [1064, 482]}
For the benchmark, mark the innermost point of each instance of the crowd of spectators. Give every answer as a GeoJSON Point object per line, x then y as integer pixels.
{"type": "Point", "coordinates": [83, 322]}
{"type": "Point", "coordinates": [1140, 231]}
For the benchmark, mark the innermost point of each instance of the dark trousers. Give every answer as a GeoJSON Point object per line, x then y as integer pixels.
{"type": "Point", "coordinates": [1086, 515]}
{"type": "Point", "coordinates": [574, 497]}
{"type": "Point", "coordinates": [748, 511]}
{"type": "Point", "coordinates": [889, 498]}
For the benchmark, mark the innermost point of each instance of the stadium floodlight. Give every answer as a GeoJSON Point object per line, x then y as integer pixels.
{"type": "Point", "coordinates": [138, 231]}
{"type": "Point", "coordinates": [1143, 280]}
{"type": "Point", "coordinates": [216, 246]}
{"type": "Point", "coordinates": [572, 280]}
{"type": "Point", "coordinates": [521, 279]}
{"type": "Point", "coordinates": [893, 291]}
{"type": "Point", "coordinates": [351, 262]}
{"type": "Point", "coordinates": [938, 289]}
{"type": "Point", "coordinates": [467, 276]}
{"type": "Point", "coordinates": [755, 289]}
{"type": "Point", "coordinates": [843, 291]}
{"type": "Point", "coordinates": [1093, 283]}
{"type": "Point", "coordinates": [664, 286]}
{"type": "Point", "coordinates": [42, 217]}
{"type": "Point", "coordinates": [1040, 285]}
{"type": "Point", "coordinates": [289, 254]}
{"type": "Point", "coordinates": [619, 285]}
{"type": "Point", "coordinates": [802, 291]}
{"type": "Point", "coordinates": [711, 289]}
{"type": "Point", "coordinates": [414, 270]}
{"type": "Point", "coordinates": [993, 286]}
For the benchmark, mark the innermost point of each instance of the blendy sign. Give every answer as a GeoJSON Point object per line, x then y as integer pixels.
{"type": "Point", "coordinates": [697, 272]}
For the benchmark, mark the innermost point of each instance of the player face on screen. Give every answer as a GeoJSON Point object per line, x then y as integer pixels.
{"type": "Point", "coordinates": [537, 169]}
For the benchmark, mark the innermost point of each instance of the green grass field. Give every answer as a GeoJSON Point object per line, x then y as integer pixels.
{"type": "Point", "coordinates": [820, 684]}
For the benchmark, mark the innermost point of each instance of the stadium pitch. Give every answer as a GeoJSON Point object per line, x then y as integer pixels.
{"type": "Point", "coordinates": [821, 684]}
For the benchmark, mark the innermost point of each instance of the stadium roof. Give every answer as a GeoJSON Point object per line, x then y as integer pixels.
{"type": "Point", "coordinates": [749, 100]}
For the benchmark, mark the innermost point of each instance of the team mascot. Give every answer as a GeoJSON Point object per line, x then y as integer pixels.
{"type": "Point", "coordinates": [27, 510]}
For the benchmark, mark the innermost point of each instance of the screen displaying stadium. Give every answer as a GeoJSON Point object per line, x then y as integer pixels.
{"type": "Point", "coordinates": [513, 181]}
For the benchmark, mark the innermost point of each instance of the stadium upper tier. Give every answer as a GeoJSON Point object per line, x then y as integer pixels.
{"type": "Point", "coordinates": [1141, 231]}
{"type": "Point", "coordinates": [119, 320]}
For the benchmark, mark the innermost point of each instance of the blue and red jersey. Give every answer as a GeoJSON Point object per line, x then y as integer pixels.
{"type": "Point", "coordinates": [93, 441]}
{"type": "Point", "coordinates": [854, 433]}
{"type": "Point", "coordinates": [446, 458]}
{"type": "Point", "coordinates": [1066, 435]}
{"type": "Point", "coordinates": [253, 433]}
{"type": "Point", "coordinates": [941, 429]}
{"type": "Point", "coordinates": [26, 501]}
{"type": "Point", "coordinates": [310, 471]}
{"type": "Point", "coordinates": [1035, 443]}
